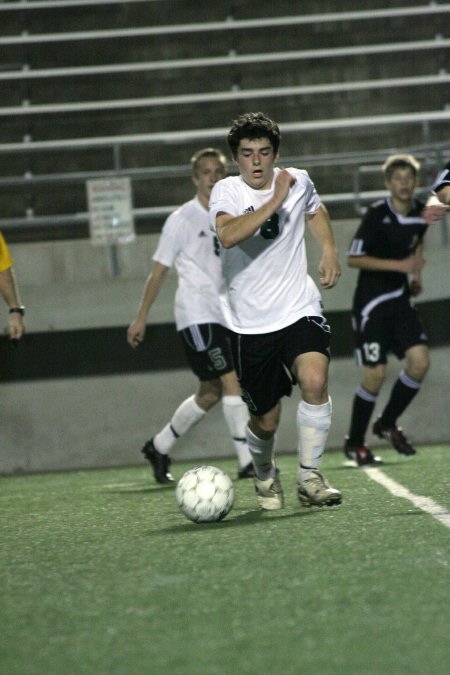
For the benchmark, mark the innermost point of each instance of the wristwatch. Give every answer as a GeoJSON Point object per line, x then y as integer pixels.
{"type": "Point", "coordinates": [17, 310]}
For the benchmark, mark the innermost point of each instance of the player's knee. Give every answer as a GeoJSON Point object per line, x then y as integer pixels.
{"type": "Point", "coordinates": [314, 386]}
{"type": "Point", "coordinates": [264, 426]}
{"type": "Point", "coordinates": [374, 378]}
{"type": "Point", "coordinates": [418, 367]}
{"type": "Point", "coordinates": [209, 394]}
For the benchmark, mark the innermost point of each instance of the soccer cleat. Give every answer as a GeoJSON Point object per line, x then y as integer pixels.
{"type": "Point", "coordinates": [317, 491]}
{"type": "Point", "coordinates": [361, 455]}
{"type": "Point", "coordinates": [396, 438]}
{"type": "Point", "coordinates": [247, 471]}
{"type": "Point", "coordinates": [269, 493]}
{"type": "Point", "coordinates": [160, 463]}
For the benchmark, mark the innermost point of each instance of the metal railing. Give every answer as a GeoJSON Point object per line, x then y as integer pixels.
{"type": "Point", "coordinates": [27, 109]}
{"type": "Point", "coordinates": [230, 59]}
{"type": "Point", "coordinates": [25, 5]}
{"type": "Point", "coordinates": [229, 24]}
{"type": "Point", "coordinates": [432, 157]}
{"type": "Point", "coordinates": [424, 119]}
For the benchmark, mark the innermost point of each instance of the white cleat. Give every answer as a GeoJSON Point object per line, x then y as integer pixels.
{"type": "Point", "coordinates": [317, 491]}
{"type": "Point", "coordinates": [269, 493]}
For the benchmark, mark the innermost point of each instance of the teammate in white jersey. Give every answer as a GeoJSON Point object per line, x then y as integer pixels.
{"type": "Point", "coordinates": [188, 243]}
{"type": "Point", "coordinates": [438, 203]}
{"type": "Point", "coordinates": [273, 305]}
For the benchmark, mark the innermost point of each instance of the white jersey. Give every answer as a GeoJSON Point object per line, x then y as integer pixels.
{"type": "Point", "coordinates": [267, 286]}
{"type": "Point", "coordinates": [187, 242]}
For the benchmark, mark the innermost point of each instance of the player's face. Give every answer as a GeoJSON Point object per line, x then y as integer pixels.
{"type": "Point", "coordinates": [209, 171]}
{"type": "Point", "coordinates": [256, 159]}
{"type": "Point", "coordinates": [402, 184]}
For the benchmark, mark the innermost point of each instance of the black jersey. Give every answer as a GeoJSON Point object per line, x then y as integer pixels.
{"type": "Point", "coordinates": [385, 233]}
{"type": "Point", "coordinates": [442, 179]}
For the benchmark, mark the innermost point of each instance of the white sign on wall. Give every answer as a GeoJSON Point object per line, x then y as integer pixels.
{"type": "Point", "coordinates": [110, 211]}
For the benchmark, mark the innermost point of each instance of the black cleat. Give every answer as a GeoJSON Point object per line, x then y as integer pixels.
{"type": "Point", "coordinates": [247, 471]}
{"type": "Point", "coordinates": [160, 463]}
{"type": "Point", "coordinates": [360, 454]}
{"type": "Point", "coordinates": [396, 438]}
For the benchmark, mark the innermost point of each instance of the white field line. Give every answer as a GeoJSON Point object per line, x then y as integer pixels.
{"type": "Point", "coordinates": [423, 503]}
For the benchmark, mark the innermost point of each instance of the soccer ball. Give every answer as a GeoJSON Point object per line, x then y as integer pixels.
{"type": "Point", "coordinates": [205, 494]}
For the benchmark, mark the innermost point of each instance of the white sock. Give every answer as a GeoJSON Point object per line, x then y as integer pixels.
{"type": "Point", "coordinates": [185, 416]}
{"type": "Point", "coordinates": [236, 416]}
{"type": "Point", "coordinates": [313, 424]}
{"type": "Point", "coordinates": [262, 454]}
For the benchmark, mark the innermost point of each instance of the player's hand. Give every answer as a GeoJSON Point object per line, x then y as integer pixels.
{"type": "Point", "coordinates": [434, 212]}
{"type": "Point", "coordinates": [16, 326]}
{"type": "Point", "coordinates": [412, 264]}
{"type": "Point", "coordinates": [415, 288]}
{"type": "Point", "coordinates": [329, 270]}
{"type": "Point", "coordinates": [283, 183]}
{"type": "Point", "coordinates": [136, 333]}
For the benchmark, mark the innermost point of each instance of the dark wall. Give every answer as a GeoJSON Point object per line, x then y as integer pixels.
{"type": "Point", "coordinates": [104, 351]}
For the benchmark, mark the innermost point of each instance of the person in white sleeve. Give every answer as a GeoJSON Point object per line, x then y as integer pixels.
{"type": "Point", "coordinates": [273, 305]}
{"type": "Point", "coordinates": [187, 243]}
{"type": "Point", "coordinates": [438, 203]}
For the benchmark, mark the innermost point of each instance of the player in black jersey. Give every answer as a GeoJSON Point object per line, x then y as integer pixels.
{"type": "Point", "coordinates": [387, 249]}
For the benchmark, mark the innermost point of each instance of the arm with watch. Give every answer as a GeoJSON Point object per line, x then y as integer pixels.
{"type": "Point", "coordinates": [10, 292]}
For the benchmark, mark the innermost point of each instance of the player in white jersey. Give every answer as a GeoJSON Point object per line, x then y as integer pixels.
{"type": "Point", "coordinates": [273, 305]}
{"type": "Point", "coordinates": [438, 204]}
{"type": "Point", "coordinates": [188, 243]}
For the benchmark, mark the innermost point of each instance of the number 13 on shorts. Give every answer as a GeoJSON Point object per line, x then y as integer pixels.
{"type": "Point", "coordinates": [371, 351]}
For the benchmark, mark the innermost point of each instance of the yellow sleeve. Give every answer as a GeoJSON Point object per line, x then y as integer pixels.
{"type": "Point", "coordinates": [5, 257]}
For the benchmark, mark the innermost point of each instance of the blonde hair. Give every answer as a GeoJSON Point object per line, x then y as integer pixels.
{"type": "Point", "coordinates": [207, 152]}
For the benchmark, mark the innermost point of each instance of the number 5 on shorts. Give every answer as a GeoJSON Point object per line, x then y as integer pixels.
{"type": "Point", "coordinates": [217, 358]}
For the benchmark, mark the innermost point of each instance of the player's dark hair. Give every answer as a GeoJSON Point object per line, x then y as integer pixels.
{"type": "Point", "coordinates": [253, 125]}
{"type": "Point", "coordinates": [394, 162]}
{"type": "Point", "coordinates": [207, 152]}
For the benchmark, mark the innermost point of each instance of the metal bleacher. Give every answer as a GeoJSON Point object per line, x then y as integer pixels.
{"type": "Point", "coordinates": [134, 87]}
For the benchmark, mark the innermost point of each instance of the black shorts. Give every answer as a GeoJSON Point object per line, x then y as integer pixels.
{"type": "Point", "coordinates": [393, 326]}
{"type": "Point", "coordinates": [263, 362]}
{"type": "Point", "coordinates": [208, 350]}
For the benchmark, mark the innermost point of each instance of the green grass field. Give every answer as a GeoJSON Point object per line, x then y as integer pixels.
{"type": "Point", "coordinates": [101, 574]}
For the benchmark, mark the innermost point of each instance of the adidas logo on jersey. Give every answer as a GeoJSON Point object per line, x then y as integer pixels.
{"type": "Point", "coordinates": [249, 209]}
{"type": "Point", "coordinates": [202, 233]}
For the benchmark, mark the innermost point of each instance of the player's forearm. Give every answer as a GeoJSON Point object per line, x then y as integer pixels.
{"type": "Point", "coordinates": [444, 194]}
{"type": "Point", "coordinates": [320, 227]}
{"type": "Point", "coordinates": [151, 291]}
{"type": "Point", "coordinates": [9, 288]}
{"type": "Point", "coordinates": [367, 262]}
{"type": "Point", "coordinates": [233, 230]}
{"type": "Point", "coordinates": [433, 200]}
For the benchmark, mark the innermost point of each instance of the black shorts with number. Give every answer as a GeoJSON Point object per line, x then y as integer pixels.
{"type": "Point", "coordinates": [392, 326]}
{"type": "Point", "coordinates": [263, 362]}
{"type": "Point", "coordinates": [208, 350]}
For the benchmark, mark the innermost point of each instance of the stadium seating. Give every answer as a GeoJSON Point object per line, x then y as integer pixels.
{"type": "Point", "coordinates": [107, 87]}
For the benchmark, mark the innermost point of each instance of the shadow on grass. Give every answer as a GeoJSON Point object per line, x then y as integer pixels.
{"type": "Point", "coordinates": [139, 490]}
{"type": "Point", "coordinates": [247, 518]}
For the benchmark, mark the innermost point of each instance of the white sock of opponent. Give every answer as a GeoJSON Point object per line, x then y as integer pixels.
{"type": "Point", "coordinates": [262, 454]}
{"type": "Point", "coordinates": [185, 416]}
{"type": "Point", "coordinates": [313, 424]}
{"type": "Point", "coordinates": [236, 416]}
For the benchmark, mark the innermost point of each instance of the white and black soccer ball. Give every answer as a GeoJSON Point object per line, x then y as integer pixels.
{"type": "Point", "coordinates": [205, 494]}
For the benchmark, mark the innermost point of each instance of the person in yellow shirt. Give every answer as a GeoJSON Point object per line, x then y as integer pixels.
{"type": "Point", "coordinates": [10, 292]}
